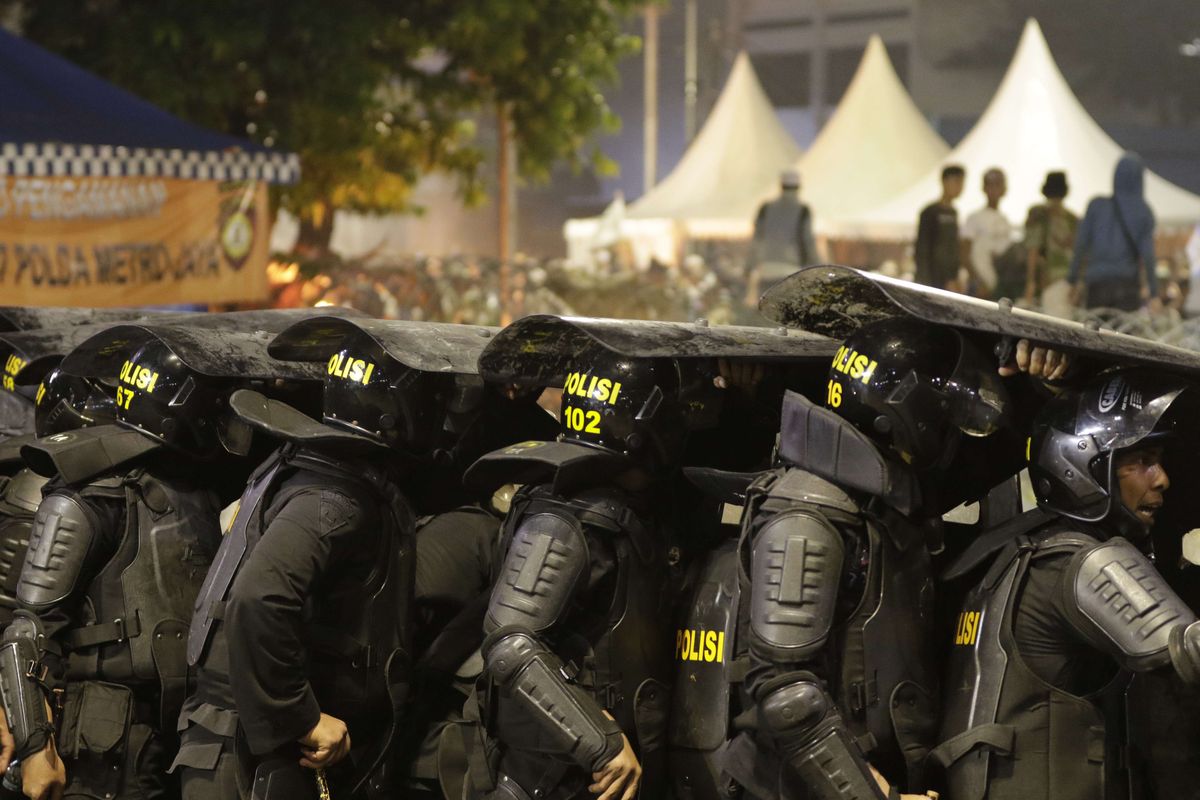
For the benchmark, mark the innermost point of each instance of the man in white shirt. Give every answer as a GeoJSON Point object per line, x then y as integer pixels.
{"type": "Point", "coordinates": [986, 234]}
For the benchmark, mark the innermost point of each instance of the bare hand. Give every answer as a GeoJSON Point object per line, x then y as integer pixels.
{"type": "Point", "coordinates": [885, 787]}
{"type": "Point", "coordinates": [326, 744]}
{"type": "Point", "coordinates": [43, 776]}
{"type": "Point", "coordinates": [1038, 361]}
{"type": "Point", "coordinates": [738, 375]}
{"type": "Point", "coordinates": [7, 744]}
{"type": "Point", "coordinates": [619, 778]}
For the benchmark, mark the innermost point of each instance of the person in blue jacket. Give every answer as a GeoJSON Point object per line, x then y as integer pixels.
{"type": "Point", "coordinates": [1114, 248]}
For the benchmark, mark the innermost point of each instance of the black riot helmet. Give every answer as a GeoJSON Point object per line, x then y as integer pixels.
{"type": "Point", "coordinates": [372, 394]}
{"type": "Point", "coordinates": [163, 398]}
{"type": "Point", "coordinates": [916, 388]}
{"type": "Point", "coordinates": [1078, 435]}
{"type": "Point", "coordinates": [68, 402]}
{"type": "Point", "coordinates": [639, 408]}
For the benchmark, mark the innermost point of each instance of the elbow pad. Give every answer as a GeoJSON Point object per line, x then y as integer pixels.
{"type": "Point", "coordinates": [22, 687]}
{"type": "Point", "coordinates": [574, 725]}
{"type": "Point", "coordinates": [803, 721]}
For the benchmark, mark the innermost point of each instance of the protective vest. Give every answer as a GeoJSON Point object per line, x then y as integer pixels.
{"type": "Point", "coordinates": [878, 656]}
{"type": "Point", "coordinates": [19, 498]}
{"type": "Point", "coordinates": [1004, 729]}
{"type": "Point", "coordinates": [139, 602]}
{"type": "Point", "coordinates": [619, 652]}
{"type": "Point", "coordinates": [364, 630]}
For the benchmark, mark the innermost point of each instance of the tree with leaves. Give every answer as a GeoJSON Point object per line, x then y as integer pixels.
{"type": "Point", "coordinates": [370, 93]}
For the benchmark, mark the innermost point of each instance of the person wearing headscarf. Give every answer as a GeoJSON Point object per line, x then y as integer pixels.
{"type": "Point", "coordinates": [1114, 249]}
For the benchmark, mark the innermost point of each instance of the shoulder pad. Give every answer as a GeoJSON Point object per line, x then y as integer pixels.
{"type": "Point", "coordinates": [1114, 590]}
{"type": "Point", "coordinates": [24, 490]}
{"type": "Point", "coordinates": [807, 487]}
{"type": "Point", "coordinates": [796, 568]}
{"type": "Point", "coordinates": [544, 565]}
{"type": "Point", "coordinates": [62, 534]}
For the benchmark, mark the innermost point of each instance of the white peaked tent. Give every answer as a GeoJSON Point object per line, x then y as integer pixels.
{"type": "Point", "coordinates": [1034, 124]}
{"type": "Point", "coordinates": [716, 188]}
{"type": "Point", "coordinates": [876, 144]}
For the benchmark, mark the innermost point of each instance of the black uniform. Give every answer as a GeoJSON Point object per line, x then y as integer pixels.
{"type": "Point", "coordinates": [836, 603]}
{"type": "Point", "coordinates": [307, 606]}
{"type": "Point", "coordinates": [584, 593]}
{"type": "Point", "coordinates": [1040, 663]}
{"type": "Point", "coordinates": [1069, 606]}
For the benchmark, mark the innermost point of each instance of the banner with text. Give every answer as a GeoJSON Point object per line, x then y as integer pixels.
{"type": "Point", "coordinates": [131, 241]}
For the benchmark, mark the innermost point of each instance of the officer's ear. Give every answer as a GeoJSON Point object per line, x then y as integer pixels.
{"type": "Point", "coordinates": [235, 435]}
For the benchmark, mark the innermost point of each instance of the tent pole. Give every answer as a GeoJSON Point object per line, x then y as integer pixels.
{"type": "Point", "coordinates": [650, 78]}
{"type": "Point", "coordinates": [689, 71]}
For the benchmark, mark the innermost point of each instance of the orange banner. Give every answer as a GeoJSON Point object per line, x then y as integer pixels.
{"type": "Point", "coordinates": [131, 241]}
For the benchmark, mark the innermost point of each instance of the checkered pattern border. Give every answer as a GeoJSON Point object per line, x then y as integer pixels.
{"type": "Point", "coordinates": [108, 161]}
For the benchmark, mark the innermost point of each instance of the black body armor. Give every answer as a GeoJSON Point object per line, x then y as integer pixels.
{"type": "Point", "coordinates": [137, 604]}
{"type": "Point", "coordinates": [1006, 732]}
{"type": "Point", "coordinates": [872, 636]}
{"type": "Point", "coordinates": [364, 629]}
{"type": "Point", "coordinates": [611, 643]}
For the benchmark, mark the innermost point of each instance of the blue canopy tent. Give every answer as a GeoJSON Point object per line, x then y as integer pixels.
{"type": "Point", "coordinates": [57, 119]}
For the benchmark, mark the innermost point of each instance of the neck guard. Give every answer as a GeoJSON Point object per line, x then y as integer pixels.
{"type": "Point", "coordinates": [823, 443]}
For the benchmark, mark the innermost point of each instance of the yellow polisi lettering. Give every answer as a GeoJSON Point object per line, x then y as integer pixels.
{"type": "Point", "coordinates": [700, 645]}
{"type": "Point", "coordinates": [858, 366]}
{"type": "Point", "coordinates": [142, 378]}
{"type": "Point", "coordinates": [356, 370]}
{"type": "Point", "coordinates": [967, 631]}
{"type": "Point", "coordinates": [14, 364]}
{"type": "Point", "coordinates": [604, 390]}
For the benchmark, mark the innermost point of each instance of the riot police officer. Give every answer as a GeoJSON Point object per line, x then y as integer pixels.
{"type": "Point", "coordinates": [577, 651]}
{"type": "Point", "coordinates": [825, 641]}
{"type": "Point", "coordinates": [309, 602]}
{"type": "Point", "coordinates": [63, 403]}
{"type": "Point", "coordinates": [1071, 600]}
{"type": "Point", "coordinates": [117, 551]}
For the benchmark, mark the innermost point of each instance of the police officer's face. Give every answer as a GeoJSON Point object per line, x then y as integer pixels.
{"type": "Point", "coordinates": [1143, 480]}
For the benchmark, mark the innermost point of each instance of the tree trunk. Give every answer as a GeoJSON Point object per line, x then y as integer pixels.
{"type": "Point", "coordinates": [316, 231]}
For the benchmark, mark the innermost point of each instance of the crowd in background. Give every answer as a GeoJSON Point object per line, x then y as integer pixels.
{"type": "Point", "coordinates": [1056, 261]}
{"type": "Point", "coordinates": [482, 291]}
{"type": "Point", "coordinates": [1102, 265]}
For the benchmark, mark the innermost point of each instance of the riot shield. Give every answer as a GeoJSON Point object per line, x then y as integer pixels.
{"type": "Point", "coordinates": [427, 346]}
{"type": "Point", "coordinates": [539, 349]}
{"type": "Point", "coordinates": [231, 345]}
{"type": "Point", "coordinates": [27, 355]}
{"type": "Point", "coordinates": [835, 301]}
{"type": "Point", "coordinates": [21, 318]}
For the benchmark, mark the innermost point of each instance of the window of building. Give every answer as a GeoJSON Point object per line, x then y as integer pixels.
{"type": "Point", "coordinates": [784, 77]}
